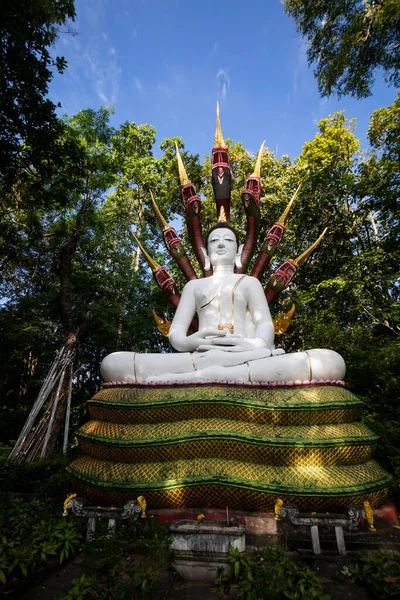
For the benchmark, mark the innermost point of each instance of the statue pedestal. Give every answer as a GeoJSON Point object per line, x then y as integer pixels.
{"type": "Point", "coordinates": [217, 445]}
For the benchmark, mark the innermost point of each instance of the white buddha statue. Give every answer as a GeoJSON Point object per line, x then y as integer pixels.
{"type": "Point", "coordinates": [235, 340]}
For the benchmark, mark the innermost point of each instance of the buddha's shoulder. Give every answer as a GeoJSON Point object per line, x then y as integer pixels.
{"type": "Point", "coordinates": [249, 281]}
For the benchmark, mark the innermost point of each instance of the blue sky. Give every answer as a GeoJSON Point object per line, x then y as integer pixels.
{"type": "Point", "coordinates": [166, 62]}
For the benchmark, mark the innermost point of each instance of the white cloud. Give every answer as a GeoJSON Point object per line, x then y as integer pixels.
{"type": "Point", "coordinates": [176, 82]}
{"type": "Point", "coordinates": [223, 82]}
{"type": "Point", "coordinates": [94, 70]}
{"type": "Point", "coordinates": [138, 84]}
{"type": "Point", "coordinates": [166, 89]}
{"type": "Point", "coordinates": [320, 111]}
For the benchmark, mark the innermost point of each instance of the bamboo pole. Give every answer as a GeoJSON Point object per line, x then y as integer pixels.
{"type": "Point", "coordinates": [53, 412]}
{"type": "Point", "coordinates": [68, 410]}
{"type": "Point", "coordinates": [42, 397]}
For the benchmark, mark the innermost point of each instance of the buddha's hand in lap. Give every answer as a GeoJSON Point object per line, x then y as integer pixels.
{"type": "Point", "coordinates": [203, 337]}
{"type": "Point", "coordinates": [215, 358]}
{"type": "Point", "coordinates": [234, 343]}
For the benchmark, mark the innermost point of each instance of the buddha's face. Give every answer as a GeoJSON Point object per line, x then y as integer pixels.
{"type": "Point", "coordinates": [222, 247]}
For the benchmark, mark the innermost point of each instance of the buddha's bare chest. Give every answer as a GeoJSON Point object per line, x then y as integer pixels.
{"type": "Point", "coordinates": [221, 296]}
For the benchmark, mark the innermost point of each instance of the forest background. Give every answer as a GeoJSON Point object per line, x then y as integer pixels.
{"type": "Point", "coordinates": [73, 189]}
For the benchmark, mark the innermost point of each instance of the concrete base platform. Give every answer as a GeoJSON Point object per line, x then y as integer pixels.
{"type": "Point", "coordinates": [200, 549]}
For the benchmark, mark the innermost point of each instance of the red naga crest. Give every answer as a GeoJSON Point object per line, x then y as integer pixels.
{"type": "Point", "coordinates": [164, 280]}
{"type": "Point", "coordinates": [171, 239]}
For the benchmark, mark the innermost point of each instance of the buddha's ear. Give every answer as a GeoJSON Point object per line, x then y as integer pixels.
{"type": "Point", "coordinates": [207, 264]}
{"type": "Point", "coordinates": [238, 259]}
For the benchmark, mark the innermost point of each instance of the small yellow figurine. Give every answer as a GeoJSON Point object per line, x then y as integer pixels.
{"type": "Point", "coordinates": [143, 504]}
{"type": "Point", "coordinates": [369, 515]}
{"type": "Point", "coordinates": [200, 518]}
{"type": "Point", "coordinates": [278, 506]}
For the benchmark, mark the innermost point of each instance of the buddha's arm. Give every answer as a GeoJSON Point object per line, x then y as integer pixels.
{"type": "Point", "coordinates": [259, 310]}
{"type": "Point", "coordinates": [181, 323]}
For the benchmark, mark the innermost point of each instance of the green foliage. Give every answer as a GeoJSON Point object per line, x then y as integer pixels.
{"type": "Point", "coordinates": [271, 574]}
{"type": "Point", "coordinates": [67, 537]}
{"type": "Point", "coordinates": [380, 572]}
{"type": "Point", "coordinates": [146, 582]}
{"type": "Point", "coordinates": [83, 588]}
{"type": "Point", "coordinates": [348, 41]}
{"type": "Point", "coordinates": [44, 478]}
{"type": "Point", "coordinates": [238, 562]}
{"type": "Point", "coordinates": [34, 533]}
{"type": "Point", "coordinates": [136, 555]}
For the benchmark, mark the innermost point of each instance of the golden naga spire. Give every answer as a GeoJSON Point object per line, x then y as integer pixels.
{"type": "Point", "coordinates": [218, 138]}
{"type": "Point", "coordinates": [283, 218]}
{"type": "Point", "coordinates": [163, 222]}
{"type": "Point", "coordinates": [303, 257]}
{"type": "Point", "coordinates": [222, 216]}
{"type": "Point", "coordinates": [257, 168]}
{"type": "Point", "coordinates": [182, 173]}
{"type": "Point", "coordinates": [152, 263]}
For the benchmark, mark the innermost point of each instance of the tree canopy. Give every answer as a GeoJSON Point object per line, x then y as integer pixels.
{"type": "Point", "coordinates": [28, 123]}
{"type": "Point", "coordinates": [349, 41]}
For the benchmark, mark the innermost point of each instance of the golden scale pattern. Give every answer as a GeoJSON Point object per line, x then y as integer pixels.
{"type": "Point", "coordinates": [149, 432]}
{"type": "Point", "coordinates": [150, 474]}
{"type": "Point", "coordinates": [264, 444]}
{"type": "Point", "coordinates": [295, 443]}
{"type": "Point", "coordinates": [344, 455]}
{"type": "Point", "coordinates": [280, 396]}
{"type": "Point", "coordinates": [219, 496]}
{"type": "Point", "coordinates": [311, 405]}
{"type": "Point", "coordinates": [219, 411]}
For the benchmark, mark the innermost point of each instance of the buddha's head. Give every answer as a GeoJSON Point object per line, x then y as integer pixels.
{"type": "Point", "coordinates": [223, 245]}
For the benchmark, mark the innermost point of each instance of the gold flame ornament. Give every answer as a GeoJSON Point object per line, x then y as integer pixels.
{"type": "Point", "coordinates": [163, 324]}
{"type": "Point", "coordinates": [282, 321]}
{"type": "Point", "coordinates": [143, 505]}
